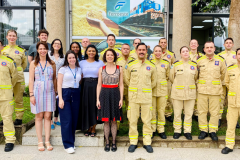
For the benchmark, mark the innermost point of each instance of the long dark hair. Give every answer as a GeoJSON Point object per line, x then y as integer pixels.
{"type": "Point", "coordinates": [60, 52]}
{"type": "Point", "coordinates": [66, 59]}
{"type": "Point", "coordinates": [91, 46]}
{"type": "Point", "coordinates": [37, 58]}
{"type": "Point", "coordinates": [79, 54]}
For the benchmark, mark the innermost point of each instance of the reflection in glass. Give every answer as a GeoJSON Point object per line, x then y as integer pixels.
{"type": "Point", "coordinates": [36, 24]}
{"type": "Point", "coordinates": [21, 2]}
{"type": "Point", "coordinates": [19, 20]}
{"type": "Point", "coordinates": [202, 4]}
{"type": "Point", "coordinates": [220, 32]}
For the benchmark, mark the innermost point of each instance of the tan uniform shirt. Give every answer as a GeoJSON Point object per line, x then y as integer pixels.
{"type": "Point", "coordinates": [211, 75]}
{"type": "Point", "coordinates": [8, 78]}
{"type": "Point", "coordinates": [194, 57]}
{"type": "Point", "coordinates": [141, 78]}
{"type": "Point", "coordinates": [19, 57]}
{"type": "Point", "coordinates": [119, 53]}
{"type": "Point", "coordinates": [168, 55]}
{"type": "Point", "coordinates": [230, 57]}
{"type": "Point", "coordinates": [183, 75]}
{"type": "Point", "coordinates": [121, 61]}
{"type": "Point", "coordinates": [232, 80]}
{"type": "Point", "coordinates": [163, 69]}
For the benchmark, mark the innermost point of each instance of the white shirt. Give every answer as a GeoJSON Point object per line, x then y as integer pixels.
{"type": "Point", "coordinates": [59, 63]}
{"type": "Point", "coordinates": [90, 69]}
{"type": "Point", "coordinates": [68, 78]}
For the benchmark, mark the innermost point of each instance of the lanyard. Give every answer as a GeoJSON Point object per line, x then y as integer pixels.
{"type": "Point", "coordinates": [73, 74]}
{"type": "Point", "coordinates": [44, 67]}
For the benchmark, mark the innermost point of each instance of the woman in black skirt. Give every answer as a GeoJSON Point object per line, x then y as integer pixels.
{"type": "Point", "coordinates": [110, 96]}
{"type": "Point", "coordinates": [88, 109]}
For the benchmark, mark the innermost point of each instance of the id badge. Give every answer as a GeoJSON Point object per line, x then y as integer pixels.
{"type": "Point", "coordinates": [75, 84]}
{"type": "Point", "coordinates": [42, 77]}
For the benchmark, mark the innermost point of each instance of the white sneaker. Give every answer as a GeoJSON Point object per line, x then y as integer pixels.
{"type": "Point", "coordinates": [74, 148]}
{"type": "Point", "coordinates": [70, 150]}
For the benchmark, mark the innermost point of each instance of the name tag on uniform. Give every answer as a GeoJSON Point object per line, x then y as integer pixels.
{"type": "Point", "coordinates": [216, 63]}
{"type": "Point", "coordinates": [179, 70]}
{"type": "Point", "coordinates": [232, 75]}
{"type": "Point", "coordinates": [133, 70]}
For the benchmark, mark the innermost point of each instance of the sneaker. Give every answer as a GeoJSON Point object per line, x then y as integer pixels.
{"type": "Point", "coordinates": [70, 150]}
{"type": "Point", "coordinates": [52, 127]}
{"type": "Point", "coordinates": [57, 123]}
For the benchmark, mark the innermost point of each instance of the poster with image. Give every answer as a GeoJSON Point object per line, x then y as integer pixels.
{"type": "Point", "coordinates": [124, 18]}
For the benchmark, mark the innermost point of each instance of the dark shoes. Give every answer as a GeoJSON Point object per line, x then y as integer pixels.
{"type": "Point", "coordinates": [18, 122]}
{"type": "Point", "coordinates": [132, 148]}
{"type": "Point", "coordinates": [1, 123]}
{"type": "Point", "coordinates": [196, 118]}
{"type": "Point", "coordinates": [153, 134]}
{"type": "Point", "coordinates": [213, 136]}
{"type": "Point", "coordinates": [148, 148]}
{"type": "Point", "coordinates": [188, 136]}
{"type": "Point", "coordinates": [8, 147]}
{"type": "Point", "coordinates": [226, 150]}
{"type": "Point", "coordinates": [237, 126]}
{"type": "Point", "coordinates": [169, 119]}
{"type": "Point", "coordinates": [114, 147]}
{"type": "Point", "coordinates": [202, 135]}
{"type": "Point", "coordinates": [219, 123]}
{"type": "Point", "coordinates": [107, 148]}
{"type": "Point", "coordinates": [162, 135]}
{"type": "Point", "coordinates": [176, 135]}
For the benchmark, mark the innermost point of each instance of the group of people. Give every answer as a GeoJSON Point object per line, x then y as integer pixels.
{"type": "Point", "coordinates": [88, 88]}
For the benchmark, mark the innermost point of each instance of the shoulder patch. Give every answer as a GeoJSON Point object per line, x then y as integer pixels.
{"type": "Point", "coordinates": [194, 62]}
{"type": "Point", "coordinates": [175, 61]}
{"type": "Point", "coordinates": [165, 60]}
{"type": "Point", "coordinates": [200, 58]}
{"type": "Point", "coordinates": [131, 61]}
{"type": "Point", "coordinates": [119, 58]}
{"type": "Point", "coordinates": [219, 57]}
{"type": "Point", "coordinates": [232, 66]}
{"type": "Point", "coordinates": [150, 63]}
{"type": "Point", "coordinates": [21, 47]}
{"type": "Point", "coordinates": [10, 58]}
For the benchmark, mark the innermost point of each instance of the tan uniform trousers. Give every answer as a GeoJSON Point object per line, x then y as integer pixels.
{"type": "Point", "coordinates": [233, 115]}
{"type": "Point", "coordinates": [169, 107]}
{"type": "Point", "coordinates": [158, 117]}
{"type": "Point", "coordinates": [223, 101]}
{"type": "Point", "coordinates": [208, 103]}
{"type": "Point", "coordinates": [18, 90]}
{"type": "Point", "coordinates": [178, 106]}
{"type": "Point", "coordinates": [146, 116]}
{"type": "Point", "coordinates": [6, 110]}
{"type": "Point", "coordinates": [195, 111]}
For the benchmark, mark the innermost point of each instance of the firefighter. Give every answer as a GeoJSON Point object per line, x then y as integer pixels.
{"type": "Point", "coordinates": [212, 70]}
{"type": "Point", "coordinates": [160, 93]}
{"type": "Point", "coordinates": [9, 75]}
{"type": "Point", "coordinates": [230, 57]}
{"type": "Point", "coordinates": [111, 40]}
{"type": "Point", "coordinates": [232, 81]}
{"type": "Point", "coordinates": [18, 54]}
{"type": "Point", "coordinates": [183, 75]}
{"type": "Point", "coordinates": [133, 53]}
{"type": "Point", "coordinates": [194, 54]}
{"type": "Point", "coordinates": [140, 76]}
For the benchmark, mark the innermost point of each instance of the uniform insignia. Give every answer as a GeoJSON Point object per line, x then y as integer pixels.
{"type": "Point", "coordinates": [117, 54]}
{"type": "Point", "coordinates": [126, 67]}
{"type": "Point", "coordinates": [168, 56]}
{"type": "Point", "coordinates": [133, 70]}
{"type": "Point", "coordinates": [151, 56]}
{"type": "Point", "coordinates": [234, 56]}
{"type": "Point", "coordinates": [16, 52]}
{"type": "Point", "coordinates": [216, 63]}
{"type": "Point", "coordinates": [163, 66]}
{"type": "Point", "coordinates": [4, 63]}
{"type": "Point", "coordinates": [148, 68]}
{"type": "Point", "coordinates": [192, 68]}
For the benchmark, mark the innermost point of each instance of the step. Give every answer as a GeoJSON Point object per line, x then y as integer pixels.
{"type": "Point", "coordinates": [30, 137]}
{"type": "Point", "coordinates": [182, 142]}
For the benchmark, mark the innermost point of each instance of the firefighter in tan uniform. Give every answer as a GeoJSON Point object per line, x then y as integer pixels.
{"type": "Point", "coordinates": [18, 54]}
{"type": "Point", "coordinates": [183, 75]}
{"type": "Point", "coordinates": [133, 53]}
{"type": "Point", "coordinates": [194, 54]}
{"type": "Point", "coordinates": [232, 81]}
{"type": "Point", "coordinates": [140, 76]}
{"type": "Point", "coordinates": [212, 70]}
{"type": "Point", "coordinates": [8, 79]}
{"type": "Point", "coordinates": [160, 93]}
{"type": "Point", "coordinates": [122, 61]}
{"type": "Point", "coordinates": [111, 40]}
{"type": "Point", "coordinates": [230, 57]}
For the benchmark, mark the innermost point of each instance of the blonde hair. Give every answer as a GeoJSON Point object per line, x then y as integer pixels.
{"type": "Point", "coordinates": [12, 30]}
{"type": "Point", "coordinates": [156, 47]}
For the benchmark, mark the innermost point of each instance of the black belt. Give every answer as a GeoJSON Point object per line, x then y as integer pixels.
{"type": "Point", "coordinates": [90, 79]}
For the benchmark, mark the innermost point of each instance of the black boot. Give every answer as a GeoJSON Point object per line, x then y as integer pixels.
{"type": "Point", "coordinates": [237, 126]}
{"type": "Point", "coordinates": [162, 135]}
{"type": "Point", "coordinates": [153, 134]}
{"type": "Point", "coordinates": [188, 136]}
{"type": "Point", "coordinates": [1, 123]}
{"type": "Point", "coordinates": [132, 148]}
{"type": "Point", "coordinates": [202, 135]}
{"type": "Point", "coordinates": [18, 122]}
{"type": "Point", "coordinates": [148, 148]}
{"type": "Point", "coordinates": [213, 136]}
{"type": "Point", "coordinates": [8, 147]}
{"type": "Point", "coordinates": [176, 135]}
{"type": "Point", "coordinates": [219, 123]}
{"type": "Point", "coordinates": [226, 150]}
{"type": "Point", "coordinates": [169, 119]}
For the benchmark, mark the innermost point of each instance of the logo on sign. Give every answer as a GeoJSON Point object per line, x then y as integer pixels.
{"type": "Point", "coordinates": [119, 5]}
{"type": "Point", "coordinates": [192, 67]}
{"type": "Point", "coordinates": [168, 56]}
{"type": "Point", "coordinates": [17, 52]}
{"type": "Point", "coordinates": [4, 63]}
{"type": "Point", "coordinates": [217, 63]}
{"type": "Point", "coordinates": [162, 65]}
{"type": "Point", "coordinates": [148, 68]}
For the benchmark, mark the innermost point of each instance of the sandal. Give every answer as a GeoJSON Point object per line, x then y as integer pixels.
{"type": "Point", "coordinates": [93, 134]}
{"type": "Point", "coordinates": [41, 148]}
{"type": "Point", "coordinates": [87, 133]}
{"type": "Point", "coordinates": [107, 148]}
{"type": "Point", "coordinates": [49, 148]}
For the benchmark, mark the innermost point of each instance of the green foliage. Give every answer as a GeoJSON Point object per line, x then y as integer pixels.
{"type": "Point", "coordinates": [211, 5]}
{"type": "Point", "coordinates": [27, 91]}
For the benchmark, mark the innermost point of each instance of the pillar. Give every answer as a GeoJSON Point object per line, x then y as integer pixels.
{"type": "Point", "coordinates": [182, 18]}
